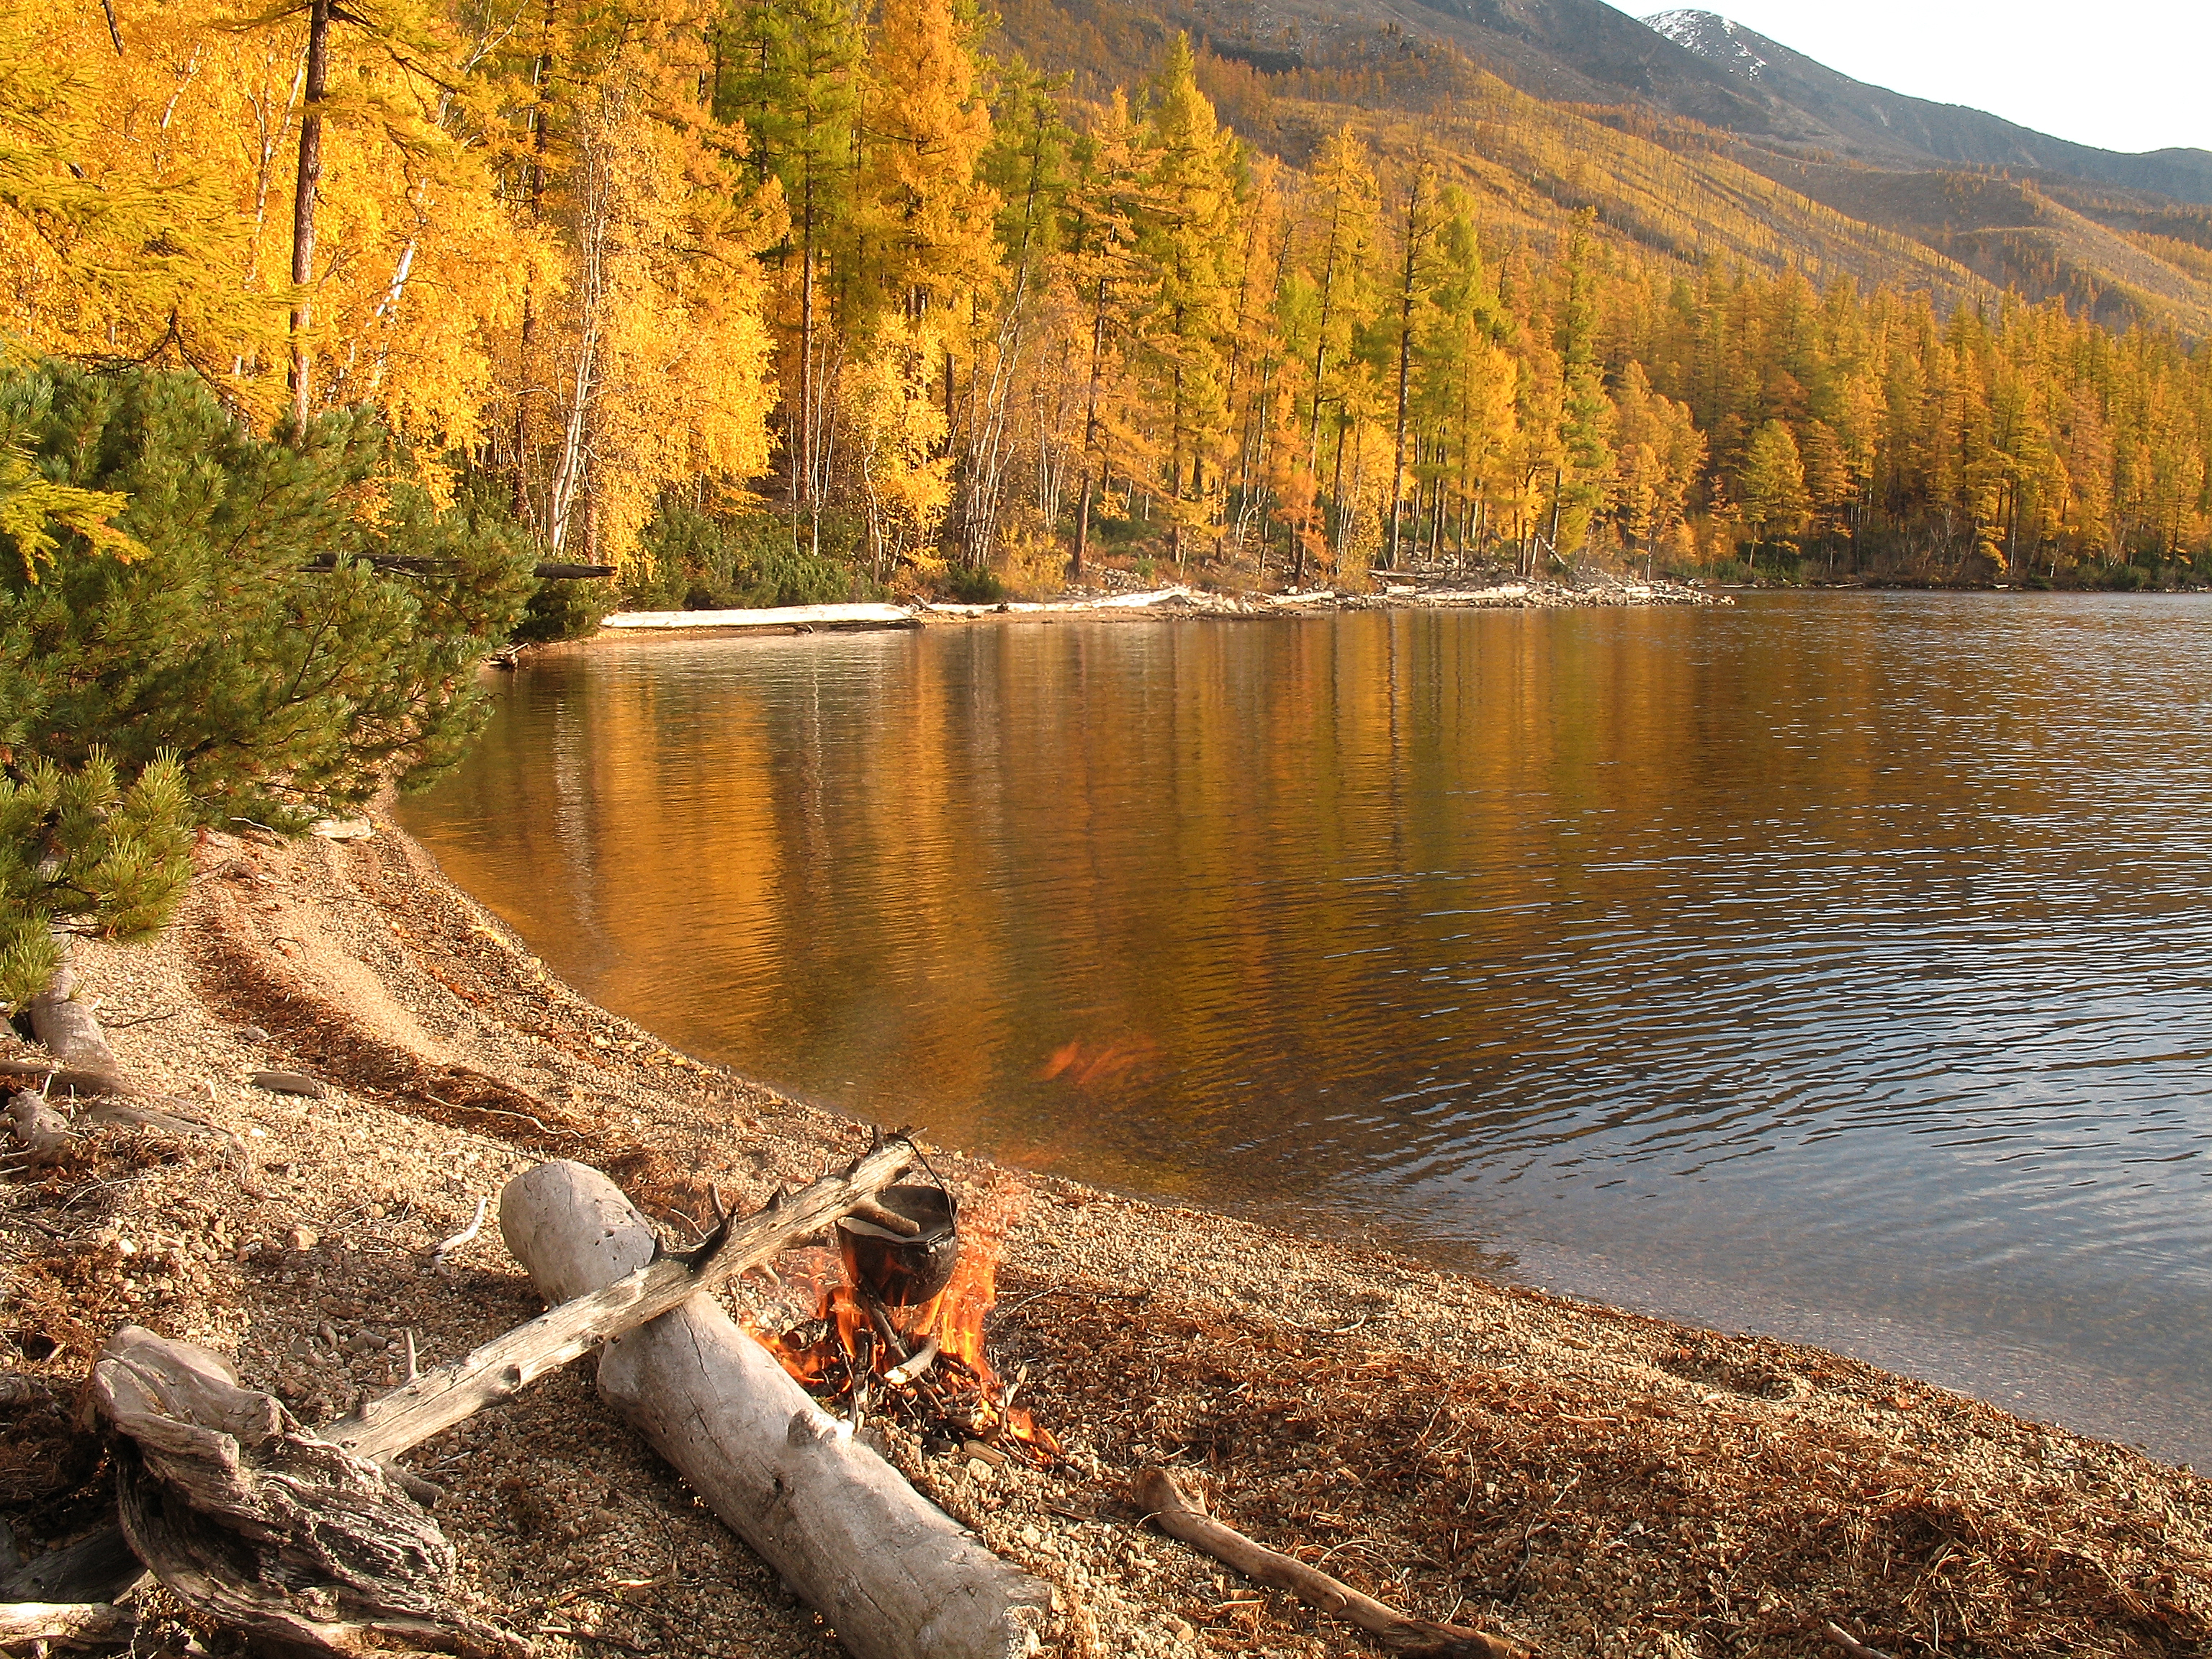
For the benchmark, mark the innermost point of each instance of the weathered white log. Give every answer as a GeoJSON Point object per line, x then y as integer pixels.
{"type": "Point", "coordinates": [894, 1575]}
{"type": "Point", "coordinates": [88, 1067]}
{"type": "Point", "coordinates": [84, 1624]}
{"type": "Point", "coordinates": [609, 1305]}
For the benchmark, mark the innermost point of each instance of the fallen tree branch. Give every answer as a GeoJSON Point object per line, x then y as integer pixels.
{"type": "Point", "coordinates": [446, 1247]}
{"type": "Point", "coordinates": [73, 1036]}
{"type": "Point", "coordinates": [43, 1132]}
{"type": "Point", "coordinates": [86, 1066]}
{"type": "Point", "coordinates": [410, 1414]}
{"type": "Point", "coordinates": [1156, 1493]}
{"type": "Point", "coordinates": [100, 1568]}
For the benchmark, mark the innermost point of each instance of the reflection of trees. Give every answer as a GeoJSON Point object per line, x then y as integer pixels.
{"type": "Point", "coordinates": [1127, 898]}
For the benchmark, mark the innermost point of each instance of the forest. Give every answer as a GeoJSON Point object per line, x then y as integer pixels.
{"type": "Point", "coordinates": [770, 301]}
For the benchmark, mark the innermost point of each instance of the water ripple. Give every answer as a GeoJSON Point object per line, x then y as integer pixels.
{"type": "Point", "coordinates": [1842, 962]}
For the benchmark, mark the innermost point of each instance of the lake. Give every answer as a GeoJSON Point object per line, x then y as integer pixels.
{"type": "Point", "coordinates": [1832, 965]}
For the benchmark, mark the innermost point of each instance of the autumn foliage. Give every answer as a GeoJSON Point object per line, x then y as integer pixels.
{"type": "Point", "coordinates": [860, 279]}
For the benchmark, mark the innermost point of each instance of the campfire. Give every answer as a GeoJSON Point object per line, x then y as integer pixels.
{"type": "Point", "coordinates": [897, 1333]}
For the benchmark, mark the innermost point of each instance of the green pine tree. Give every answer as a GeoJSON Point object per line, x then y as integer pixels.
{"type": "Point", "coordinates": [209, 626]}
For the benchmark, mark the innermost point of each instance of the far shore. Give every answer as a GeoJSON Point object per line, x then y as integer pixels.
{"type": "Point", "coordinates": [1584, 1478]}
{"type": "Point", "coordinates": [1176, 601]}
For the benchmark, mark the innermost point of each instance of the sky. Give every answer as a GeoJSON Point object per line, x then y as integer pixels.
{"type": "Point", "coordinates": [2128, 74]}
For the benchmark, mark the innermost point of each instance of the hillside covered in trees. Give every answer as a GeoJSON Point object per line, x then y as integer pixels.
{"type": "Point", "coordinates": [773, 300]}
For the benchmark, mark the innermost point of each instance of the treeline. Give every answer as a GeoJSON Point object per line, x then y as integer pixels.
{"type": "Point", "coordinates": [767, 301]}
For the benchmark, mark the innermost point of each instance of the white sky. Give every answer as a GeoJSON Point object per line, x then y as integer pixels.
{"type": "Point", "coordinates": [2128, 74]}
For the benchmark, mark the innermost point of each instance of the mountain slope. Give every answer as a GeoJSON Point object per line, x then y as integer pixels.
{"type": "Point", "coordinates": [1877, 125]}
{"type": "Point", "coordinates": [1708, 142]}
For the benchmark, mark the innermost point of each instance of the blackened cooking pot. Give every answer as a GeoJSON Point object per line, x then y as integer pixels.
{"type": "Point", "coordinates": [892, 1269]}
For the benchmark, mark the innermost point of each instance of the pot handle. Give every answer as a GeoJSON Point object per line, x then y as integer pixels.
{"type": "Point", "coordinates": [951, 1203]}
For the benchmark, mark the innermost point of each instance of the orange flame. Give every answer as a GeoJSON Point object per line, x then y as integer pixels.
{"type": "Point", "coordinates": [961, 1388]}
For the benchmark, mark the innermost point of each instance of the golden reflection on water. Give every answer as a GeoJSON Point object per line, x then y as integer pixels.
{"type": "Point", "coordinates": [1689, 940]}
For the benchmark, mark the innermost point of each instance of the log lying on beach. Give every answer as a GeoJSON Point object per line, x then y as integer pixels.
{"type": "Point", "coordinates": [601, 1306]}
{"type": "Point", "coordinates": [86, 1066]}
{"type": "Point", "coordinates": [895, 1577]}
{"type": "Point", "coordinates": [42, 1131]}
{"type": "Point", "coordinates": [384, 1427]}
{"type": "Point", "coordinates": [249, 1518]}
{"type": "Point", "coordinates": [72, 1035]}
{"type": "Point", "coordinates": [98, 1568]}
{"type": "Point", "coordinates": [1156, 1493]}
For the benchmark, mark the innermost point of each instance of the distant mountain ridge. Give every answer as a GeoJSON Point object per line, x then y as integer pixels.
{"type": "Point", "coordinates": [1691, 137]}
{"type": "Point", "coordinates": [1874, 125]}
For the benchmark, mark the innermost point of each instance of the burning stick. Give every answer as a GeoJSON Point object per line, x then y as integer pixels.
{"type": "Point", "coordinates": [1156, 1492]}
{"type": "Point", "coordinates": [906, 1370]}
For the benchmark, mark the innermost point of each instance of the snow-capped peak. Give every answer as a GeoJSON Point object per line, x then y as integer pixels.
{"type": "Point", "coordinates": [1711, 36]}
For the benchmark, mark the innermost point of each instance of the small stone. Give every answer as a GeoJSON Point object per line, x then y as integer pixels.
{"type": "Point", "coordinates": [1182, 1630]}
{"type": "Point", "coordinates": [345, 829]}
{"type": "Point", "coordinates": [302, 1237]}
{"type": "Point", "coordinates": [289, 1083]}
{"type": "Point", "coordinates": [253, 1034]}
{"type": "Point", "coordinates": [376, 1213]}
{"type": "Point", "coordinates": [978, 1469]}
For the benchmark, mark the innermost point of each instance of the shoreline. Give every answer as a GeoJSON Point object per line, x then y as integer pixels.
{"type": "Point", "coordinates": [1581, 1477]}
{"type": "Point", "coordinates": [1469, 592]}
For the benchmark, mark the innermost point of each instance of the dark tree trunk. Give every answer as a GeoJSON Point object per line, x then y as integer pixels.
{"type": "Point", "coordinates": [303, 203]}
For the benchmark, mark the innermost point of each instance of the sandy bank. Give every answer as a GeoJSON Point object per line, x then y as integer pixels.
{"type": "Point", "coordinates": [1591, 1480]}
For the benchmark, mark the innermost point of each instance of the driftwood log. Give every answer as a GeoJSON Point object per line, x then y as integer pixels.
{"type": "Point", "coordinates": [162, 1396]}
{"type": "Point", "coordinates": [600, 1308]}
{"type": "Point", "coordinates": [1164, 1502]}
{"type": "Point", "coordinates": [894, 1575]}
{"type": "Point", "coordinates": [43, 1133]}
{"type": "Point", "coordinates": [72, 1034]}
{"type": "Point", "coordinates": [86, 1624]}
{"type": "Point", "coordinates": [248, 1518]}
{"type": "Point", "coordinates": [86, 1066]}
{"type": "Point", "coordinates": [98, 1568]}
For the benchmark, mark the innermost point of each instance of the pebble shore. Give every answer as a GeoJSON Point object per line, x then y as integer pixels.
{"type": "Point", "coordinates": [1585, 1479]}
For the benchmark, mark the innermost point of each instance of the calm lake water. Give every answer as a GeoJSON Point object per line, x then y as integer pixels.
{"type": "Point", "coordinates": [1838, 966]}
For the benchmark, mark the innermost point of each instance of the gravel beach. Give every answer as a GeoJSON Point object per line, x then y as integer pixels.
{"type": "Point", "coordinates": [1581, 1479]}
